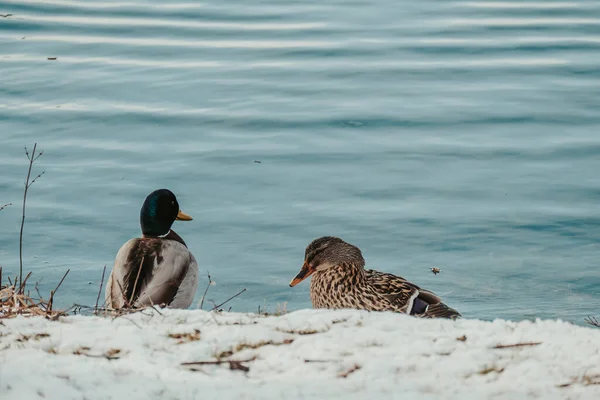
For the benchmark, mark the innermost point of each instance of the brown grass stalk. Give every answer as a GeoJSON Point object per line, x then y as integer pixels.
{"type": "Point", "coordinates": [229, 299]}
{"type": "Point", "coordinates": [208, 285]}
{"type": "Point", "coordinates": [32, 158]}
{"type": "Point", "coordinates": [511, 346]}
{"type": "Point", "coordinates": [233, 364]}
{"type": "Point", "coordinates": [99, 291]}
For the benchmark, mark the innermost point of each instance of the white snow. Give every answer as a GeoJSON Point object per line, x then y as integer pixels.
{"type": "Point", "coordinates": [351, 355]}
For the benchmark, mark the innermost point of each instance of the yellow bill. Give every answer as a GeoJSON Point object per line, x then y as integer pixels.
{"type": "Point", "coordinates": [181, 216]}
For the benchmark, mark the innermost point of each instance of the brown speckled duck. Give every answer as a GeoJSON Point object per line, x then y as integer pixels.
{"type": "Point", "coordinates": [341, 281]}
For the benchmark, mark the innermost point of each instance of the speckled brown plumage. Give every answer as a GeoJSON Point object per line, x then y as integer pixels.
{"type": "Point", "coordinates": [339, 280]}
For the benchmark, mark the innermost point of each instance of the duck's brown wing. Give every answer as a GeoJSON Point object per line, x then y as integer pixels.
{"type": "Point", "coordinates": [400, 293]}
{"type": "Point", "coordinates": [408, 297]}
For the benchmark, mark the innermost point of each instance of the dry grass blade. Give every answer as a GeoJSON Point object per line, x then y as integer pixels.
{"type": "Point", "coordinates": [111, 354]}
{"type": "Point", "coordinates": [99, 291]}
{"type": "Point", "coordinates": [511, 346]}
{"type": "Point", "coordinates": [186, 337]}
{"type": "Point", "coordinates": [22, 287]}
{"type": "Point", "coordinates": [229, 299]}
{"type": "Point", "coordinates": [593, 321]}
{"type": "Point", "coordinates": [62, 280]}
{"type": "Point", "coordinates": [210, 282]}
{"type": "Point", "coordinates": [233, 364]}
{"type": "Point", "coordinates": [585, 380]}
{"type": "Point", "coordinates": [352, 370]}
{"type": "Point", "coordinates": [38, 292]}
{"type": "Point", "coordinates": [53, 292]}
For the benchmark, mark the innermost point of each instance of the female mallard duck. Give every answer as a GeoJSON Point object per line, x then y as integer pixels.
{"type": "Point", "coordinates": [341, 281]}
{"type": "Point", "coordinates": [157, 268]}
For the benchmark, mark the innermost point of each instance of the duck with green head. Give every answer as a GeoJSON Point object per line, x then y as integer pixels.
{"type": "Point", "coordinates": [158, 268]}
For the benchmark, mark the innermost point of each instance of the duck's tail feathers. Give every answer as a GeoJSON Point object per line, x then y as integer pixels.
{"type": "Point", "coordinates": [440, 310]}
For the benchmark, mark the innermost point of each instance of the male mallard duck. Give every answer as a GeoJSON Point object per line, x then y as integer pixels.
{"type": "Point", "coordinates": [157, 268]}
{"type": "Point", "coordinates": [341, 281]}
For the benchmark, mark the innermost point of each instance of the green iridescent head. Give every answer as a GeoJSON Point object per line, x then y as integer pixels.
{"type": "Point", "coordinates": [159, 211]}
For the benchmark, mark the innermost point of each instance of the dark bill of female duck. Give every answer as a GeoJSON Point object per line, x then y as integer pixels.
{"type": "Point", "coordinates": [306, 271]}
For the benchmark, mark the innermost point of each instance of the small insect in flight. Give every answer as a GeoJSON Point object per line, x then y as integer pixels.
{"type": "Point", "coordinates": [435, 270]}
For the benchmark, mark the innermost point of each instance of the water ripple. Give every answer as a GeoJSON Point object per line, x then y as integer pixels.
{"type": "Point", "coordinates": [166, 23]}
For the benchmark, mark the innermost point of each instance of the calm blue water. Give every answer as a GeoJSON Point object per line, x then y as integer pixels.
{"type": "Point", "coordinates": [462, 135]}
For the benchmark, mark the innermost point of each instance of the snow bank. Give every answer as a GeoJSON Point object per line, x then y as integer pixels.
{"type": "Point", "coordinates": [305, 354]}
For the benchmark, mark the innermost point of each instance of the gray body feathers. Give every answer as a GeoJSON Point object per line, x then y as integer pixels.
{"type": "Point", "coordinates": [153, 271]}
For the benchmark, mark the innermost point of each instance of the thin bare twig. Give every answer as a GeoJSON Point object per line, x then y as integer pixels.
{"type": "Point", "coordinates": [155, 309]}
{"type": "Point", "coordinates": [38, 291]}
{"type": "Point", "coordinates": [229, 299]}
{"type": "Point", "coordinates": [99, 291]}
{"type": "Point", "coordinates": [36, 178]}
{"type": "Point", "coordinates": [233, 364]}
{"type": "Point", "coordinates": [5, 205]}
{"type": "Point", "coordinates": [49, 307]}
{"type": "Point", "coordinates": [206, 291]}
{"type": "Point", "coordinates": [61, 281]}
{"type": "Point", "coordinates": [22, 287]}
{"type": "Point", "coordinates": [509, 346]}
{"type": "Point", "coordinates": [32, 158]}
{"type": "Point", "coordinates": [352, 370]}
{"type": "Point", "coordinates": [53, 292]}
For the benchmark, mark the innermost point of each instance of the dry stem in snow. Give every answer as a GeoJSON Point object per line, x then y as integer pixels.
{"type": "Point", "coordinates": [28, 182]}
{"type": "Point", "coordinates": [593, 321]}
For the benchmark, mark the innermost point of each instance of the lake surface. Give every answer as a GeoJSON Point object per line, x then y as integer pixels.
{"type": "Point", "coordinates": [451, 134]}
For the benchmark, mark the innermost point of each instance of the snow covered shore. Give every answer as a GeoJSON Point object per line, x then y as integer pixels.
{"type": "Point", "coordinates": [305, 354]}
